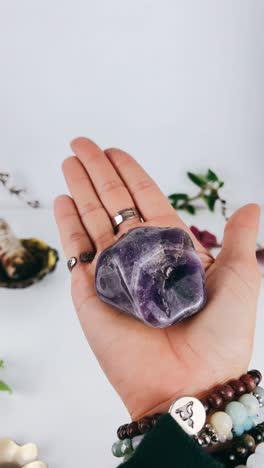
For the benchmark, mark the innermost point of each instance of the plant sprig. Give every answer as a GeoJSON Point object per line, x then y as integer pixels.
{"type": "Point", "coordinates": [5, 180]}
{"type": "Point", "coordinates": [3, 386]}
{"type": "Point", "coordinates": [209, 185]}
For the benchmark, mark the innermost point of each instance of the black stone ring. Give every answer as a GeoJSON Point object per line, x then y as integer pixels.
{"type": "Point", "coordinates": [87, 257]}
{"type": "Point", "coordinates": [84, 257]}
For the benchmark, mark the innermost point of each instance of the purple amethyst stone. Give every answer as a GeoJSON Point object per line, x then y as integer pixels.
{"type": "Point", "coordinates": [153, 274]}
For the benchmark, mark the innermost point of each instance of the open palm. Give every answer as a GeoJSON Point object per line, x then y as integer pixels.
{"type": "Point", "coordinates": [150, 367]}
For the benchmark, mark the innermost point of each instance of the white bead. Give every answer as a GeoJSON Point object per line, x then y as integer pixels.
{"type": "Point", "coordinates": [237, 412]}
{"type": "Point", "coordinates": [251, 403]}
{"type": "Point", "coordinates": [222, 423]}
{"type": "Point", "coordinates": [137, 440]}
{"type": "Point", "coordinates": [260, 448]}
{"type": "Point", "coordinates": [255, 461]}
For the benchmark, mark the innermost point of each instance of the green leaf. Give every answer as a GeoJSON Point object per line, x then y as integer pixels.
{"type": "Point", "coordinates": [191, 209]}
{"type": "Point", "coordinates": [212, 176]}
{"type": "Point", "coordinates": [197, 179]}
{"type": "Point", "coordinates": [4, 387]}
{"type": "Point", "coordinates": [178, 196]}
{"type": "Point", "coordinates": [221, 184]}
{"type": "Point", "coordinates": [210, 200]}
{"type": "Point", "coordinates": [1, 364]}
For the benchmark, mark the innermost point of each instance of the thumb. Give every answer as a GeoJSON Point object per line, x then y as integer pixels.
{"type": "Point", "coordinates": [240, 237]}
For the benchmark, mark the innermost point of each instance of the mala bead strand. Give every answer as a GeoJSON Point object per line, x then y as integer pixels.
{"type": "Point", "coordinates": [135, 428]}
{"type": "Point", "coordinates": [243, 448]}
{"type": "Point", "coordinates": [238, 417]}
{"type": "Point", "coordinates": [237, 403]}
{"type": "Point", "coordinates": [234, 389]}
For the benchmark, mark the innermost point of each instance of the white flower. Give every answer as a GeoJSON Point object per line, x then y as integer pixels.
{"type": "Point", "coordinates": [19, 456]}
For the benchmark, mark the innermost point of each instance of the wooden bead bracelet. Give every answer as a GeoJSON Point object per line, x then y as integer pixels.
{"type": "Point", "coordinates": [135, 428]}
{"type": "Point", "coordinates": [232, 390]}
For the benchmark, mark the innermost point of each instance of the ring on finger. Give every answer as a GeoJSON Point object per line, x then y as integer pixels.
{"type": "Point", "coordinates": [84, 257]}
{"type": "Point", "coordinates": [124, 215]}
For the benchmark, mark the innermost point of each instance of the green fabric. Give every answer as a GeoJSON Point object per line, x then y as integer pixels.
{"type": "Point", "coordinates": [168, 446]}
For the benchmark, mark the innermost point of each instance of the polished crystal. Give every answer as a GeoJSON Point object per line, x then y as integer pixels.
{"type": "Point", "coordinates": [153, 274]}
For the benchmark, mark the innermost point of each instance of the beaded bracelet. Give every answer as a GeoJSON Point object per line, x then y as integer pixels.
{"type": "Point", "coordinates": [135, 428]}
{"type": "Point", "coordinates": [216, 400]}
{"type": "Point", "coordinates": [190, 414]}
{"type": "Point", "coordinates": [256, 460]}
{"type": "Point", "coordinates": [222, 426]}
{"type": "Point", "coordinates": [243, 447]}
{"type": "Point", "coordinates": [232, 390]}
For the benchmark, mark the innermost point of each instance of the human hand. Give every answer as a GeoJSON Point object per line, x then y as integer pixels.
{"type": "Point", "coordinates": [151, 367]}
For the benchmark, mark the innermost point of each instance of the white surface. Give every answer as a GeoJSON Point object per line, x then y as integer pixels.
{"type": "Point", "coordinates": [179, 84]}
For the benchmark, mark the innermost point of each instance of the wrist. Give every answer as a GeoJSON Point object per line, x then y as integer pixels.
{"type": "Point", "coordinates": [228, 411]}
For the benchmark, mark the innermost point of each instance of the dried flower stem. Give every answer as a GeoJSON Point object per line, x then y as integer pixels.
{"type": "Point", "coordinates": [18, 192]}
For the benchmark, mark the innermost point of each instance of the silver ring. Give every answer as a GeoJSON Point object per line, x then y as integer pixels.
{"type": "Point", "coordinates": [123, 215]}
{"type": "Point", "coordinates": [84, 257]}
{"type": "Point", "coordinates": [71, 263]}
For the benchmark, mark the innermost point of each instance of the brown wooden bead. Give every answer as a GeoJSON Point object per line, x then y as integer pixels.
{"type": "Point", "coordinates": [206, 405]}
{"type": "Point", "coordinates": [154, 418]}
{"type": "Point", "coordinates": [249, 382]}
{"type": "Point", "coordinates": [216, 401]}
{"type": "Point", "coordinates": [132, 430]}
{"type": "Point", "coordinates": [226, 392]}
{"type": "Point", "coordinates": [144, 425]}
{"type": "Point", "coordinates": [239, 387]}
{"type": "Point", "coordinates": [122, 432]}
{"type": "Point", "coordinates": [256, 374]}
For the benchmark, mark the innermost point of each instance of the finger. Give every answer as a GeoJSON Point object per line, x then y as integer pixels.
{"type": "Point", "coordinates": [74, 237]}
{"type": "Point", "coordinates": [108, 184]}
{"type": "Point", "coordinates": [151, 202]}
{"type": "Point", "coordinates": [240, 238]}
{"type": "Point", "coordinates": [91, 211]}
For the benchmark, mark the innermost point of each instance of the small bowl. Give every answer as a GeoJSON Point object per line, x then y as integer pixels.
{"type": "Point", "coordinates": [46, 261]}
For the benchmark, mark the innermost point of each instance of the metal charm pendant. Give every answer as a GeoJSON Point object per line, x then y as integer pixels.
{"type": "Point", "coordinates": [71, 263]}
{"type": "Point", "coordinates": [189, 413]}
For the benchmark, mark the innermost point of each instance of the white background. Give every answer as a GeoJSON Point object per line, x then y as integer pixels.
{"type": "Point", "coordinates": [179, 84]}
